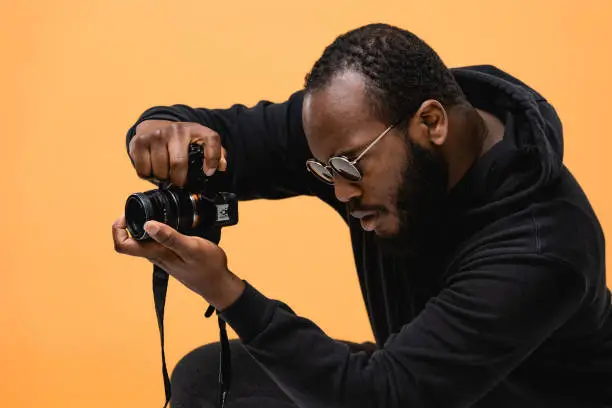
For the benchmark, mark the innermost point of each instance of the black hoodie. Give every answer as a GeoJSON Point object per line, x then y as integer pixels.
{"type": "Point", "coordinates": [512, 309]}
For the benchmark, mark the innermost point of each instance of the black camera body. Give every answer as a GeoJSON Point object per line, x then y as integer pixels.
{"type": "Point", "coordinates": [199, 205]}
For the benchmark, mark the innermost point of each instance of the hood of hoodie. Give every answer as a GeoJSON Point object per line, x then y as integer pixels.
{"type": "Point", "coordinates": [529, 157]}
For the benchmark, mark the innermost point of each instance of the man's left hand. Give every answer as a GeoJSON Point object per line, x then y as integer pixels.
{"type": "Point", "coordinates": [197, 263]}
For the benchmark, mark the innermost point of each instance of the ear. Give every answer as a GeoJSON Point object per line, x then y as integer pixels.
{"type": "Point", "coordinates": [434, 118]}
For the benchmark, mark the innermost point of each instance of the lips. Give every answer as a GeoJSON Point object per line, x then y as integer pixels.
{"type": "Point", "coordinates": [368, 222]}
{"type": "Point", "coordinates": [367, 217]}
{"type": "Point", "coordinates": [363, 213]}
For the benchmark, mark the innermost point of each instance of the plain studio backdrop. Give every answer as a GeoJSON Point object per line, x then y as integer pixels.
{"type": "Point", "coordinates": [77, 320]}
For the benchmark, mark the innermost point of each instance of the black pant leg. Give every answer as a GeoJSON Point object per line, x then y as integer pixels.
{"type": "Point", "coordinates": [195, 381]}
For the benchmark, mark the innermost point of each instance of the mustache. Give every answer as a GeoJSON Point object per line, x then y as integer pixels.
{"type": "Point", "coordinates": [354, 205]}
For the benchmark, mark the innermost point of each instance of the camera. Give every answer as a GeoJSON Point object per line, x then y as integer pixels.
{"type": "Point", "coordinates": [199, 205]}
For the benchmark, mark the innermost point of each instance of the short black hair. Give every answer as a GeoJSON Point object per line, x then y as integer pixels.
{"type": "Point", "coordinates": [400, 69]}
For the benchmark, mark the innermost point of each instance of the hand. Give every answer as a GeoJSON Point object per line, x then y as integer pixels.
{"type": "Point", "coordinates": [160, 149]}
{"type": "Point", "coordinates": [195, 262]}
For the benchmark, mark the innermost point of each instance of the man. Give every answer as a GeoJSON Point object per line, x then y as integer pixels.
{"type": "Point", "coordinates": [480, 259]}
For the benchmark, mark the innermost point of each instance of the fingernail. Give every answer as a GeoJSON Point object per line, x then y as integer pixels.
{"type": "Point", "coordinates": [210, 172]}
{"type": "Point", "coordinates": [151, 228]}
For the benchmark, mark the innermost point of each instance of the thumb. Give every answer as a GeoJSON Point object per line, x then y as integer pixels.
{"type": "Point", "coordinates": [167, 236]}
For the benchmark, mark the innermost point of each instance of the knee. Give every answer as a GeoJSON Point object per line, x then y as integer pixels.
{"type": "Point", "coordinates": [196, 368]}
{"type": "Point", "coordinates": [199, 369]}
{"type": "Point", "coordinates": [195, 378]}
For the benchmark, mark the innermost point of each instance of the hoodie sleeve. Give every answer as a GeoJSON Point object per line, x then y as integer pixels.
{"type": "Point", "coordinates": [265, 143]}
{"type": "Point", "coordinates": [489, 317]}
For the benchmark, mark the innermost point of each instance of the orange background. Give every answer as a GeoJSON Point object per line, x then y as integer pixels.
{"type": "Point", "coordinates": [77, 320]}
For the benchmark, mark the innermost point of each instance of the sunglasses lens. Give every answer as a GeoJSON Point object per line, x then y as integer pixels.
{"type": "Point", "coordinates": [343, 167]}
{"type": "Point", "coordinates": [320, 171]}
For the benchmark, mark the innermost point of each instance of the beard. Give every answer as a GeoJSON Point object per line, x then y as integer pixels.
{"type": "Point", "coordinates": [421, 204]}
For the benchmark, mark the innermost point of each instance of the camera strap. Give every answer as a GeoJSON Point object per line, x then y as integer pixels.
{"type": "Point", "coordinates": [160, 287]}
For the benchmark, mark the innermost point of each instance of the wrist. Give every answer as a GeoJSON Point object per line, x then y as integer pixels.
{"type": "Point", "coordinates": [229, 289]}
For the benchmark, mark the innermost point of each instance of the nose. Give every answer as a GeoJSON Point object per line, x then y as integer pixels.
{"type": "Point", "coordinates": [344, 189]}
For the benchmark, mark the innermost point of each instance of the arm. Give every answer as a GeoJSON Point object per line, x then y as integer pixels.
{"type": "Point", "coordinates": [490, 316]}
{"type": "Point", "coordinates": [266, 146]}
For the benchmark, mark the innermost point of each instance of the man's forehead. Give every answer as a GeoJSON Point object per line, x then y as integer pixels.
{"type": "Point", "coordinates": [344, 96]}
{"type": "Point", "coordinates": [334, 116]}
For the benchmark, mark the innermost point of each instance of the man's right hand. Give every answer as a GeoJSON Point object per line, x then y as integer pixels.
{"type": "Point", "coordinates": [159, 149]}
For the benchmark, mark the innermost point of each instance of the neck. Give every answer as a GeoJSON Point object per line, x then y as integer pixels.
{"type": "Point", "coordinates": [494, 131]}
{"type": "Point", "coordinates": [476, 132]}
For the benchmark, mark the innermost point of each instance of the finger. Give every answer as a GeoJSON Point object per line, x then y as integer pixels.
{"type": "Point", "coordinates": [170, 238]}
{"type": "Point", "coordinates": [211, 141]}
{"type": "Point", "coordinates": [159, 153]}
{"type": "Point", "coordinates": [223, 160]}
{"type": "Point", "coordinates": [139, 152]}
{"type": "Point", "coordinates": [120, 223]}
{"type": "Point", "coordinates": [212, 147]}
{"type": "Point", "coordinates": [178, 147]}
{"type": "Point", "coordinates": [212, 155]}
{"type": "Point", "coordinates": [124, 244]}
{"type": "Point", "coordinates": [120, 234]}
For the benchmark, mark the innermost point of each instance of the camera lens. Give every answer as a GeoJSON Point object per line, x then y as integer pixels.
{"type": "Point", "coordinates": [157, 205]}
{"type": "Point", "coordinates": [173, 206]}
{"type": "Point", "coordinates": [137, 211]}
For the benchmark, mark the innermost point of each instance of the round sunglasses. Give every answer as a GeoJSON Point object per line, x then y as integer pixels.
{"type": "Point", "coordinates": [341, 165]}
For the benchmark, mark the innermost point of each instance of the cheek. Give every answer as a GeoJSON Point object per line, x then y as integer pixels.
{"type": "Point", "coordinates": [387, 177]}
